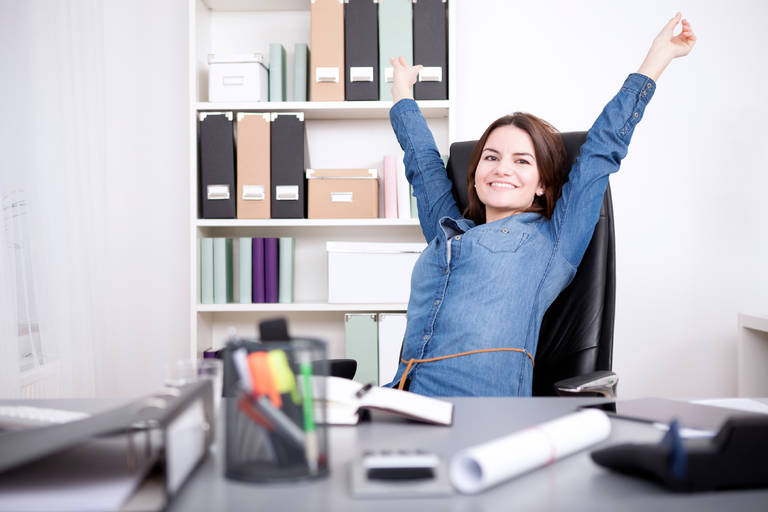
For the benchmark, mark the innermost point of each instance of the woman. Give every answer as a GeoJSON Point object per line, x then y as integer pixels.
{"type": "Point", "coordinates": [481, 287]}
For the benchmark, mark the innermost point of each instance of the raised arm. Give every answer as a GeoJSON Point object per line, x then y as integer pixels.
{"type": "Point", "coordinates": [578, 208]}
{"type": "Point", "coordinates": [424, 167]}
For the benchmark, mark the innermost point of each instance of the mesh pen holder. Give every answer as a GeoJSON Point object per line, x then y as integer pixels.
{"type": "Point", "coordinates": [275, 427]}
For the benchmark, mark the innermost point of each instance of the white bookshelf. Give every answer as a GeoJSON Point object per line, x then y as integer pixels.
{"type": "Point", "coordinates": [338, 134]}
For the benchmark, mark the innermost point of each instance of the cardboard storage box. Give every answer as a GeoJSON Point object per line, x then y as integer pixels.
{"type": "Point", "coordinates": [342, 194]}
{"type": "Point", "coordinates": [363, 272]}
{"type": "Point", "coordinates": [237, 77]}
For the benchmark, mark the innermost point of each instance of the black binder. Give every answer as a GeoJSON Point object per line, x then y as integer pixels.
{"type": "Point", "coordinates": [430, 49]}
{"type": "Point", "coordinates": [216, 149]}
{"type": "Point", "coordinates": [361, 50]}
{"type": "Point", "coordinates": [288, 199]}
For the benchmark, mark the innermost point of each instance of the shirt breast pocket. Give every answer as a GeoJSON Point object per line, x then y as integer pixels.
{"type": "Point", "coordinates": [503, 240]}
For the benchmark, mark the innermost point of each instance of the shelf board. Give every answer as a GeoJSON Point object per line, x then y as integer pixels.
{"type": "Point", "coordinates": [300, 306]}
{"type": "Point", "coordinates": [257, 5]}
{"type": "Point", "coordinates": [432, 109]}
{"type": "Point", "coordinates": [303, 223]}
{"type": "Point", "coordinates": [756, 322]}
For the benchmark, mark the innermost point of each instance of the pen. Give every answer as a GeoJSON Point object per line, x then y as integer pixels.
{"type": "Point", "coordinates": [363, 390]}
{"type": "Point", "coordinates": [310, 433]}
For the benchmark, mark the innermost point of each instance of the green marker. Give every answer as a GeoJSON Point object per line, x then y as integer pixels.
{"type": "Point", "coordinates": [310, 432]}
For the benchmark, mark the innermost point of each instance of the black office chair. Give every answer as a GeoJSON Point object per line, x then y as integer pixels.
{"type": "Point", "coordinates": [575, 349]}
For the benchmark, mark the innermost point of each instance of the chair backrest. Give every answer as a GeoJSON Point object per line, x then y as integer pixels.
{"type": "Point", "coordinates": [576, 335]}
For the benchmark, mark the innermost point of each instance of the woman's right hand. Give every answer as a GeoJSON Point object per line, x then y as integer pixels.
{"type": "Point", "coordinates": [403, 78]}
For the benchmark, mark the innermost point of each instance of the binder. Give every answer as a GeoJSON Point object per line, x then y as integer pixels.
{"type": "Point", "coordinates": [270, 269]}
{"type": "Point", "coordinates": [245, 278]}
{"type": "Point", "coordinates": [288, 199]}
{"type": "Point", "coordinates": [206, 271]}
{"type": "Point", "coordinates": [253, 190]}
{"type": "Point", "coordinates": [222, 270]}
{"type": "Point", "coordinates": [361, 343]}
{"type": "Point", "coordinates": [327, 43]}
{"type": "Point", "coordinates": [361, 50]}
{"type": "Point", "coordinates": [64, 460]}
{"type": "Point", "coordinates": [258, 284]}
{"type": "Point", "coordinates": [217, 165]}
{"type": "Point", "coordinates": [277, 72]}
{"type": "Point", "coordinates": [286, 248]}
{"type": "Point", "coordinates": [391, 333]}
{"type": "Point", "coordinates": [395, 39]}
{"type": "Point", "coordinates": [300, 71]}
{"type": "Point", "coordinates": [430, 49]}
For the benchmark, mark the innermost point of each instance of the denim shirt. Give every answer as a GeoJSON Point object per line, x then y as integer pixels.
{"type": "Point", "coordinates": [488, 286]}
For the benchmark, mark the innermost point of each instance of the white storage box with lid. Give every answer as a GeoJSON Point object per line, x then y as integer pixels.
{"type": "Point", "coordinates": [362, 272]}
{"type": "Point", "coordinates": [237, 77]}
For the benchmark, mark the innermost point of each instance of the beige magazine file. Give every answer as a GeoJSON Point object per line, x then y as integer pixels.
{"type": "Point", "coordinates": [253, 164]}
{"type": "Point", "coordinates": [327, 55]}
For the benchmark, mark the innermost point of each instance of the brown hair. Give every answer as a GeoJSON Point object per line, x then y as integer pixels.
{"type": "Point", "coordinates": [551, 159]}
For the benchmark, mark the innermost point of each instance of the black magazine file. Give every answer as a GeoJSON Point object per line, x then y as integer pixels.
{"type": "Point", "coordinates": [576, 335]}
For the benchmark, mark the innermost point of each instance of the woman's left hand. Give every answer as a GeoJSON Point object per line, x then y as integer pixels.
{"type": "Point", "coordinates": [666, 47]}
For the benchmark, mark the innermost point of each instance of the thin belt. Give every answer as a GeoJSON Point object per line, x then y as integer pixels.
{"type": "Point", "coordinates": [411, 362]}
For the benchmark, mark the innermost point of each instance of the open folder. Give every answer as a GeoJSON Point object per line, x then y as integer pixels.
{"type": "Point", "coordinates": [133, 457]}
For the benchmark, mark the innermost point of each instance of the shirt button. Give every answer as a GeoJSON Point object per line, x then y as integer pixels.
{"type": "Point", "coordinates": [636, 114]}
{"type": "Point", "coordinates": [645, 93]}
{"type": "Point", "coordinates": [446, 271]}
{"type": "Point", "coordinates": [426, 337]}
{"type": "Point", "coordinates": [437, 302]}
{"type": "Point", "coordinates": [648, 85]}
{"type": "Point", "coordinates": [457, 237]}
{"type": "Point", "coordinates": [505, 231]}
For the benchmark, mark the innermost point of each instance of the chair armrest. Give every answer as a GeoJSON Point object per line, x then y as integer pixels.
{"type": "Point", "coordinates": [601, 383]}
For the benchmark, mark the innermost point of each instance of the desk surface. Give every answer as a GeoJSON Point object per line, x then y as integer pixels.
{"type": "Point", "coordinates": [574, 483]}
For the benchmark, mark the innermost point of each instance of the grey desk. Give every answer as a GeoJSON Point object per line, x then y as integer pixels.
{"type": "Point", "coordinates": [574, 483]}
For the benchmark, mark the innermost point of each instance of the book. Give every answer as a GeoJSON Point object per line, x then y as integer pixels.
{"type": "Point", "coordinates": [300, 71]}
{"type": "Point", "coordinates": [206, 271]}
{"type": "Point", "coordinates": [257, 252]}
{"type": "Point", "coordinates": [403, 193]}
{"type": "Point", "coordinates": [245, 269]}
{"type": "Point", "coordinates": [270, 269]}
{"type": "Point", "coordinates": [222, 270]}
{"type": "Point", "coordinates": [390, 187]}
{"type": "Point", "coordinates": [286, 247]}
{"type": "Point", "coordinates": [276, 72]}
{"type": "Point", "coordinates": [346, 400]}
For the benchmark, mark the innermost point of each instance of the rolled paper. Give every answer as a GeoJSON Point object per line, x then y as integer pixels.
{"type": "Point", "coordinates": [480, 467]}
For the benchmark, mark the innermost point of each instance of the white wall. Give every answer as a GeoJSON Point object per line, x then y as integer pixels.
{"type": "Point", "coordinates": [690, 197]}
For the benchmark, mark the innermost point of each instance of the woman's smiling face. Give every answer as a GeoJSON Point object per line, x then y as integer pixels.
{"type": "Point", "coordinates": [507, 177]}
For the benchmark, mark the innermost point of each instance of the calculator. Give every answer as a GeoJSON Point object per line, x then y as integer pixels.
{"type": "Point", "coordinates": [399, 464]}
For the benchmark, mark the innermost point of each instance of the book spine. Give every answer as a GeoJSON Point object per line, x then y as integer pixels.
{"type": "Point", "coordinates": [259, 291]}
{"type": "Point", "coordinates": [390, 187]}
{"type": "Point", "coordinates": [220, 270]}
{"type": "Point", "coordinates": [285, 270]}
{"type": "Point", "coordinates": [403, 193]}
{"type": "Point", "coordinates": [246, 270]}
{"type": "Point", "coordinates": [276, 72]}
{"type": "Point", "coordinates": [270, 269]}
{"type": "Point", "coordinates": [206, 270]}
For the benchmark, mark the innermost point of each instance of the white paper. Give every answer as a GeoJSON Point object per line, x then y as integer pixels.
{"type": "Point", "coordinates": [482, 466]}
{"type": "Point", "coordinates": [740, 404]}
